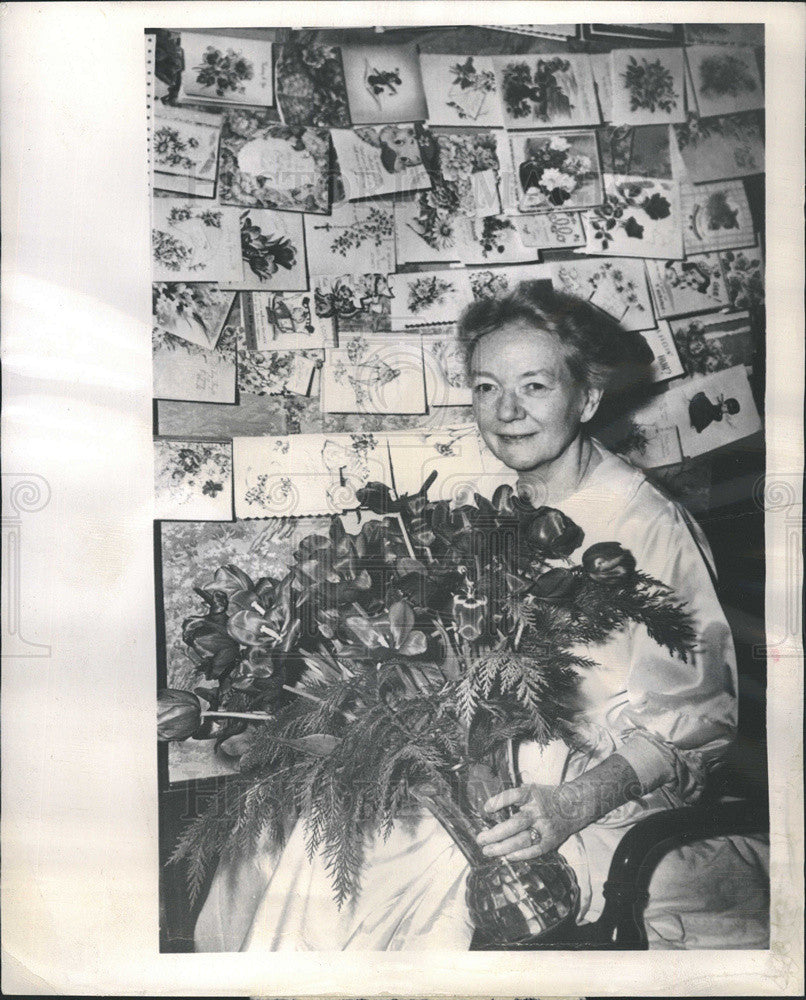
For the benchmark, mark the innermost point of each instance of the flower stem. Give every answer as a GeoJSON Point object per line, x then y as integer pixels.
{"type": "Point", "coordinates": [251, 716]}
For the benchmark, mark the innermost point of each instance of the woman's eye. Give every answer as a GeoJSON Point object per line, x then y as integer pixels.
{"type": "Point", "coordinates": [533, 387]}
{"type": "Point", "coordinates": [483, 388]}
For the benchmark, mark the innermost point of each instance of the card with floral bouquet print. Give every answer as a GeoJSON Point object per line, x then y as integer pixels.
{"type": "Point", "coordinates": [640, 217]}
{"type": "Point", "coordinates": [647, 86]}
{"type": "Point", "coordinates": [272, 251]}
{"type": "Point", "coordinates": [195, 311]}
{"type": "Point", "coordinates": [493, 282]}
{"type": "Point", "coordinates": [546, 91]}
{"type": "Point", "coordinates": [266, 165]}
{"type": "Point", "coordinates": [184, 150]}
{"type": "Point", "coordinates": [617, 286]}
{"type": "Point", "coordinates": [224, 70]}
{"type": "Point", "coordinates": [374, 375]}
{"type": "Point", "coordinates": [744, 277]}
{"type": "Point", "coordinates": [309, 83]}
{"type": "Point", "coordinates": [460, 90]}
{"type": "Point", "coordinates": [428, 297]}
{"type": "Point", "coordinates": [357, 237]}
{"type": "Point", "coordinates": [192, 481]}
{"type": "Point", "coordinates": [379, 159]}
{"type": "Point", "coordinates": [194, 241]}
{"type": "Point", "coordinates": [277, 373]}
{"type": "Point", "coordinates": [726, 79]}
{"type": "Point", "coordinates": [556, 170]}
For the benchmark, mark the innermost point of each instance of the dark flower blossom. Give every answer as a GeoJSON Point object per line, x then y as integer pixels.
{"type": "Point", "coordinates": [656, 207]}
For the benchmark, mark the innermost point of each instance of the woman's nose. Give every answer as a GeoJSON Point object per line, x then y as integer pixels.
{"type": "Point", "coordinates": [509, 408]}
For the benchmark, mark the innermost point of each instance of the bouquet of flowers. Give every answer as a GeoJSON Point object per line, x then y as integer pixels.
{"type": "Point", "coordinates": [394, 668]}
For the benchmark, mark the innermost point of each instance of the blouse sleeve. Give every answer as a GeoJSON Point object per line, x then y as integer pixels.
{"type": "Point", "coordinates": [679, 716]}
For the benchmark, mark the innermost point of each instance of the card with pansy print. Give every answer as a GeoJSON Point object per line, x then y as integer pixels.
{"type": "Point", "coordinates": [640, 217]}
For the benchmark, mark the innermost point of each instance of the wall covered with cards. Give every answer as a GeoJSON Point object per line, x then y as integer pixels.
{"type": "Point", "coordinates": [326, 203]}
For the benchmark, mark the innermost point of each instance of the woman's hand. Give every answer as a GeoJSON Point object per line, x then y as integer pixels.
{"type": "Point", "coordinates": [547, 818]}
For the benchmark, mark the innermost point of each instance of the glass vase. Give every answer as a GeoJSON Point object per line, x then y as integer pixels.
{"type": "Point", "coordinates": [512, 903]}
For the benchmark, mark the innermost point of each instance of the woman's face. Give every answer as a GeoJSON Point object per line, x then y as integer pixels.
{"type": "Point", "coordinates": [527, 405]}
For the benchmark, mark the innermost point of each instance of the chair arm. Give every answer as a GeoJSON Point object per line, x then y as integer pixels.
{"type": "Point", "coordinates": [621, 924]}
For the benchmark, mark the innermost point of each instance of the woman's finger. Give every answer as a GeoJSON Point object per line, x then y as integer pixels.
{"type": "Point", "coordinates": [509, 797]}
{"type": "Point", "coordinates": [509, 828]}
{"type": "Point", "coordinates": [508, 847]}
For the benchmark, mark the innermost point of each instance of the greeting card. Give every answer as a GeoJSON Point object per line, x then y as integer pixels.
{"type": "Point", "coordinates": [725, 78]}
{"type": "Point", "coordinates": [427, 228]}
{"type": "Point", "coordinates": [383, 84]}
{"type": "Point", "coordinates": [446, 381]}
{"type": "Point", "coordinates": [714, 410]}
{"type": "Point", "coordinates": [466, 165]}
{"type": "Point", "coordinates": [284, 321]}
{"type": "Point", "coordinates": [647, 86]}
{"type": "Point", "coordinates": [551, 230]}
{"type": "Point", "coordinates": [453, 453]}
{"type": "Point", "coordinates": [641, 150]}
{"type": "Point", "coordinates": [192, 481]}
{"type": "Point", "coordinates": [303, 474]}
{"type": "Point", "coordinates": [194, 241]}
{"type": "Point", "coordinates": [724, 34]}
{"type": "Point", "coordinates": [223, 70]}
{"type": "Point", "coordinates": [493, 282]}
{"type": "Point", "coordinates": [275, 373]}
{"type": "Point", "coordinates": [717, 148]}
{"type": "Point", "coordinates": [309, 81]}
{"type": "Point", "coordinates": [603, 82]}
{"type": "Point", "coordinates": [639, 217]}
{"type": "Point", "coordinates": [429, 297]}
{"type": "Point", "coordinates": [379, 159]}
{"type": "Point", "coordinates": [616, 286]}
{"type": "Point", "coordinates": [709, 344]}
{"type": "Point", "coordinates": [666, 362]}
{"type": "Point", "coordinates": [184, 150]}
{"type": "Point", "coordinates": [647, 436]}
{"type": "Point", "coordinates": [494, 239]}
{"type": "Point", "coordinates": [357, 237]}
{"type": "Point", "coordinates": [374, 375]}
{"type": "Point", "coordinates": [184, 371]}
{"type": "Point", "coordinates": [355, 302]}
{"type": "Point", "coordinates": [556, 170]}
{"type": "Point", "coordinates": [716, 216]}
{"type": "Point", "coordinates": [686, 286]}
{"type": "Point", "coordinates": [194, 311]}
{"type": "Point", "coordinates": [266, 165]}
{"type": "Point", "coordinates": [272, 251]}
{"type": "Point", "coordinates": [460, 90]}
{"type": "Point", "coordinates": [549, 91]}
{"type": "Point", "coordinates": [744, 277]}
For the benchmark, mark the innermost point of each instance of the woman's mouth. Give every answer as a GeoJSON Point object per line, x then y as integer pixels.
{"type": "Point", "coordinates": [515, 438]}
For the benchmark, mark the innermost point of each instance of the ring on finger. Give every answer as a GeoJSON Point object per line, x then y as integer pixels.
{"type": "Point", "coordinates": [535, 836]}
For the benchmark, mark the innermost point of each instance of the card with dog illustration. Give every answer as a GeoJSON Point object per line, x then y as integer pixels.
{"type": "Point", "coordinates": [379, 159]}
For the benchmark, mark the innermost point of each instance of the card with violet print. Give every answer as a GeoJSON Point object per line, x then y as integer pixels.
{"type": "Point", "coordinates": [357, 237]}
{"type": "Point", "coordinates": [225, 70]}
{"type": "Point", "coordinates": [546, 91]}
{"type": "Point", "coordinates": [379, 160]}
{"type": "Point", "coordinates": [272, 251]}
{"type": "Point", "coordinates": [615, 285]}
{"type": "Point", "coordinates": [194, 240]}
{"type": "Point", "coordinates": [460, 90]}
{"type": "Point", "coordinates": [384, 84]}
{"type": "Point", "coordinates": [192, 480]}
{"type": "Point", "coordinates": [328, 470]}
{"type": "Point", "coordinates": [556, 170]}
{"type": "Point", "coordinates": [716, 216]}
{"type": "Point", "coordinates": [726, 79]}
{"type": "Point", "coordinates": [647, 86]}
{"type": "Point", "coordinates": [640, 217]}
{"type": "Point", "coordinates": [184, 150]}
{"type": "Point", "coordinates": [374, 375]}
{"type": "Point", "coordinates": [452, 452]}
{"type": "Point", "coordinates": [266, 165]}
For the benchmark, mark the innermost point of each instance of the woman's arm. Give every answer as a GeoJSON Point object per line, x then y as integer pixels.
{"type": "Point", "coordinates": [556, 812]}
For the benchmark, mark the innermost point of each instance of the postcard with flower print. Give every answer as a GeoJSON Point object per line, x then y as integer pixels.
{"type": "Point", "coordinates": [184, 150]}
{"type": "Point", "coordinates": [383, 84]}
{"type": "Point", "coordinates": [687, 286]}
{"type": "Point", "coordinates": [647, 86]}
{"type": "Point", "coordinates": [716, 217]}
{"type": "Point", "coordinates": [744, 277]}
{"type": "Point", "coordinates": [466, 165]}
{"type": "Point", "coordinates": [640, 217]}
{"type": "Point", "coordinates": [194, 311]}
{"type": "Point", "coordinates": [446, 381]}
{"type": "Point", "coordinates": [191, 241]}
{"type": "Point", "coordinates": [556, 170]}
{"type": "Point", "coordinates": [713, 149]}
{"type": "Point", "coordinates": [493, 282]}
{"type": "Point", "coordinates": [707, 33]}
{"type": "Point", "coordinates": [374, 375]}
{"type": "Point", "coordinates": [272, 250]}
{"type": "Point", "coordinates": [309, 83]}
{"type": "Point", "coordinates": [708, 344]}
{"type": "Point", "coordinates": [266, 165]}
{"type": "Point", "coordinates": [429, 297]}
{"type": "Point", "coordinates": [617, 287]}
{"type": "Point", "coordinates": [453, 453]}
{"type": "Point", "coordinates": [495, 239]}
{"type": "Point", "coordinates": [714, 410]}
{"type": "Point", "coordinates": [546, 91]}
{"type": "Point", "coordinates": [725, 79]}
{"type": "Point", "coordinates": [357, 237]}
{"type": "Point", "coordinates": [379, 159]}
{"type": "Point", "coordinates": [224, 70]}
{"type": "Point", "coordinates": [428, 229]}
{"type": "Point", "coordinates": [551, 230]}
{"type": "Point", "coordinates": [192, 481]}
{"type": "Point", "coordinates": [276, 373]}
{"type": "Point", "coordinates": [299, 475]}
{"type": "Point", "coordinates": [284, 321]}
{"type": "Point", "coordinates": [460, 90]}
{"type": "Point", "coordinates": [184, 371]}
{"type": "Point", "coordinates": [357, 303]}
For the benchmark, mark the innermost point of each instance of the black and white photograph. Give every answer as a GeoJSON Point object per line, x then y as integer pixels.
{"type": "Point", "coordinates": [448, 514]}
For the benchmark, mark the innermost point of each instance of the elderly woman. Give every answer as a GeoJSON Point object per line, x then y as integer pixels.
{"type": "Point", "coordinates": [650, 726]}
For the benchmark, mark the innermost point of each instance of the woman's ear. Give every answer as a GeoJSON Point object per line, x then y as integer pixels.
{"type": "Point", "coordinates": [593, 398]}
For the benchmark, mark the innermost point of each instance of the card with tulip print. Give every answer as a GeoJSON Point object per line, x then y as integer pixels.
{"type": "Point", "coordinates": [639, 217]}
{"type": "Point", "coordinates": [272, 251]}
{"type": "Point", "coordinates": [647, 86]}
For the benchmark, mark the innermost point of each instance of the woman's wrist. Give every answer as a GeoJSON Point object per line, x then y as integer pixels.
{"type": "Point", "coordinates": [597, 792]}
